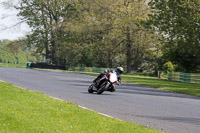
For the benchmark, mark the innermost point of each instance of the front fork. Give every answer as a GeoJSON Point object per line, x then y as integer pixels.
{"type": "Point", "coordinates": [108, 85]}
{"type": "Point", "coordinates": [102, 80]}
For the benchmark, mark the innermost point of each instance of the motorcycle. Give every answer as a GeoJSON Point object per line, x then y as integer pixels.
{"type": "Point", "coordinates": [106, 83]}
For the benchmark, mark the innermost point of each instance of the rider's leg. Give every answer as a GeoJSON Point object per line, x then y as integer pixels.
{"type": "Point", "coordinates": [98, 78]}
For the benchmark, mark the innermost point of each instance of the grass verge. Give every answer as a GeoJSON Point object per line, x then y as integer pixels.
{"type": "Point", "coordinates": [178, 87]}
{"type": "Point", "coordinates": [23, 111]}
{"type": "Point", "coordinates": [13, 65]}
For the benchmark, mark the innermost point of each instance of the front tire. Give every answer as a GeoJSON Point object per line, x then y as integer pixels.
{"type": "Point", "coordinates": [101, 89]}
{"type": "Point", "coordinates": [90, 89]}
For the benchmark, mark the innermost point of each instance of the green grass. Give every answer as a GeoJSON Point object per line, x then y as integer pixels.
{"type": "Point", "coordinates": [13, 65]}
{"type": "Point", "coordinates": [178, 87]}
{"type": "Point", "coordinates": [23, 111]}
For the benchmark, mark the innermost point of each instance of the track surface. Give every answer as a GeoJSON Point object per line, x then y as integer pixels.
{"type": "Point", "coordinates": [170, 112]}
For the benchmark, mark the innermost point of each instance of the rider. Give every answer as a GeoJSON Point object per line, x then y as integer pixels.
{"type": "Point", "coordinates": [118, 71]}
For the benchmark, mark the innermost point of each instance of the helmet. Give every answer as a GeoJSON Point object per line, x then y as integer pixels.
{"type": "Point", "coordinates": [120, 70]}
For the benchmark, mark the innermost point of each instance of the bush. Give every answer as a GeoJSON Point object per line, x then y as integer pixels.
{"type": "Point", "coordinates": [168, 67]}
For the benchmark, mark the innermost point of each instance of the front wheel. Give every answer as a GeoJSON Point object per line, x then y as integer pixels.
{"type": "Point", "coordinates": [101, 89]}
{"type": "Point", "coordinates": [90, 89]}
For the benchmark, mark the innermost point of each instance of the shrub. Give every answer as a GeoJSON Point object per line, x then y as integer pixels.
{"type": "Point", "coordinates": [168, 67]}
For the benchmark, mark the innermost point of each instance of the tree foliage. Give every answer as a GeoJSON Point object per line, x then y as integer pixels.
{"type": "Point", "coordinates": [102, 33]}
{"type": "Point", "coordinates": [178, 21]}
{"type": "Point", "coordinates": [110, 33]}
{"type": "Point", "coordinates": [168, 67]}
{"type": "Point", "coordinates": [15, 52]}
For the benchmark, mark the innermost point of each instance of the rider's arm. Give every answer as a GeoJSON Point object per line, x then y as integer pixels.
{"type": "Point", "coordinates": [119, 79]}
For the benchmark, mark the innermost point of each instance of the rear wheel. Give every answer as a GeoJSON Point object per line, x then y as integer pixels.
{"type": "Point", "coordinates": [90, 89]}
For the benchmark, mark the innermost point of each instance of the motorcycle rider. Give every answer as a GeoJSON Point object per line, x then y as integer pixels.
{"type": "Point", "coordinates": [118, 71]}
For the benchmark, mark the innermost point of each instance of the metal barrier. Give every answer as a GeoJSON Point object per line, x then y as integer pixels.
{"type": "Point", "coordinates": [184, 77]}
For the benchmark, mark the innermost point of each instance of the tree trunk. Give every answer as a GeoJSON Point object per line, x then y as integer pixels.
{"type": "Point", "coordinates": [128, 52]}
{"type": "Point", "coordinates": [109, 59]}
{"type": "Point", "coordinates": [47, 45]}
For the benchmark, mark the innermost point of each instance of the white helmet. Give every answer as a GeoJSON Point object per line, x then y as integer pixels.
{"type": "Point", "coordinates": [120, 70]}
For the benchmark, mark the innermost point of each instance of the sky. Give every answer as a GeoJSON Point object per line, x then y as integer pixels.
{"type": "Point", "coordinates": [7, 28]}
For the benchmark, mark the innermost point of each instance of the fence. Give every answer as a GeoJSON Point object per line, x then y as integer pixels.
{"type": "Point", "coordinates": [184, 77]}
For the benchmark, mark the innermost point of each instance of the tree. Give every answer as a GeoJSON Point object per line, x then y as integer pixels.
{"type": "Point", "coordinates": [4, 41]}
{"type": "Point", "coordinates": [114, 28]}
{"type": "Point", "coordinates": [136, 40]}
{"type": "Point", "coordinates": [179, 24]}
{"type": "Point", "coordinates": [101, 33]}
{"type": "Point", "coordinates": [47, 20]}
{"type": "Point", "coordinates": [16, 52]}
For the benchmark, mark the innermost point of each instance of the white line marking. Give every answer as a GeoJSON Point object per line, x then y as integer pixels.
{"type": "Point", "coordinates": [98, 112]}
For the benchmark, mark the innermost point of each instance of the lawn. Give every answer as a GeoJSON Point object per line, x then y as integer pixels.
{"type": "Point", "coordinates": [23, 111]}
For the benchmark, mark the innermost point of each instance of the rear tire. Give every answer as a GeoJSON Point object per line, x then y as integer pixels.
{"type": "Point", "coordinates": [90, 89]}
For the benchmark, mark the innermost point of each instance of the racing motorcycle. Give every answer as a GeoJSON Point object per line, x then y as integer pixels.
{"type": "Point", "coordinates": [106, 83]}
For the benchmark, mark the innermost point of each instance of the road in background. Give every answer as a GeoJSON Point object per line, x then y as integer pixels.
{"type": "Point", "coordinates": [170, 112]}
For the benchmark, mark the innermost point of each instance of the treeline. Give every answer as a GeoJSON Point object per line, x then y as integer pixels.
{"type": "Point", "coordinates": [108, 33]}
{"type": "Point", "coordinates": [14, 52]}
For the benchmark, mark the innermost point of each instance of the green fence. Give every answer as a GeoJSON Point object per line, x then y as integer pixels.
{"type": "Point", "coordinates": [184, 77]}
{"type": "Point", "coordinates": [89, 69]}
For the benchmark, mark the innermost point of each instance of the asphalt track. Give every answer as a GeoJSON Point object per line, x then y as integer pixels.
{"type": "Point", "coordinates": [166, 111]}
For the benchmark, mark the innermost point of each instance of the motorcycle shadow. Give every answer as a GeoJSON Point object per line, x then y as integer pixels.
{"type": "Point", "coordinates": [109, 93]}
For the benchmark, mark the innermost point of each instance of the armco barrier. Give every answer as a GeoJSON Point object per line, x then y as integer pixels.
{"type": "Point", "coordinates": [45, 66]}
{"type": "Point", "coordinates": [184, 77]}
